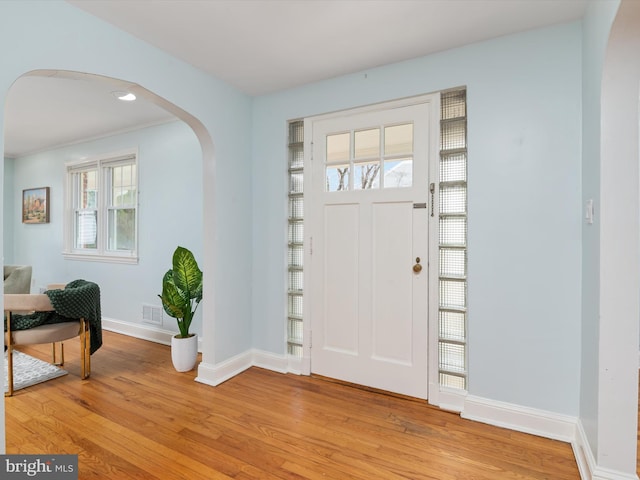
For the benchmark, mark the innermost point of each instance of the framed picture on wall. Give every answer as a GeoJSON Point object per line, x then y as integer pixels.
{"type": "Point", "coordinates": [35, 205]}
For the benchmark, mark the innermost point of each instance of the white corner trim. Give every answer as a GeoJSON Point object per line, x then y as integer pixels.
{"type": "Point", "coordinates": [589, 470]}
{"type": "Point", "coordinates": [607, 474]}
{"type": "Point", "coordinates": [583, 453]}
{"type": "Point", "coordinates": [215, 374]}
{"type": "Point", "coordinates": [270, 361]}
{"type": "Point", "coordinates": [445, 398]}
{"type": "Point", "coordinates": [144, 332]}
{"type": "Point", "coordinates": [522, 419]}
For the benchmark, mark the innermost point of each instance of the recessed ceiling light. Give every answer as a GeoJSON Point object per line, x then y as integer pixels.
{"type": "Point", "coordinates": [124, 96]}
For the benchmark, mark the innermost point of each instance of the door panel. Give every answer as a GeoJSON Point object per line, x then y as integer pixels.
{"type": "Point", "coordinates": [392, 314]}
{"type": "Point", "coordinates": [341, 279]}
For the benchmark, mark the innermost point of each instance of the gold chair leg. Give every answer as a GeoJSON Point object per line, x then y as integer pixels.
{"type": "Point", "coordinates": [54, 352]}
{"type": "Point", "coordinates": [85, 349]}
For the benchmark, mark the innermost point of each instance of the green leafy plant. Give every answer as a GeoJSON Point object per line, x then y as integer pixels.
{"type": "Point", "coordinates": [182, 289]}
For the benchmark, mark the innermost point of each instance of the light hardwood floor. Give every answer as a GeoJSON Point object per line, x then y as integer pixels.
{"type": "Point", "coordinates": [136, 418]}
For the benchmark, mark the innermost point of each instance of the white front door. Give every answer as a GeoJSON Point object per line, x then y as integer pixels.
{"type": "Point", "coordinates": [370, 206]}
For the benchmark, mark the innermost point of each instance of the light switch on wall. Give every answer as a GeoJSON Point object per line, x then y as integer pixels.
{"type": "Point", "coordinates": [589, 212]}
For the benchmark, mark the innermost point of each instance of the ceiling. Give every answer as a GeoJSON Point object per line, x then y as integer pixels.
{"type": "Point", "coordinates": [260, 47]}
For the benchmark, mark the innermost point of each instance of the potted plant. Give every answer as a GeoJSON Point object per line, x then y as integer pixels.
{"type": "Point", "coordinates": [181, 295]}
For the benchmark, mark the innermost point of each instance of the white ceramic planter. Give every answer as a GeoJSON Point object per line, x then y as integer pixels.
{"type": "Point", "coordinates": [184, 352]}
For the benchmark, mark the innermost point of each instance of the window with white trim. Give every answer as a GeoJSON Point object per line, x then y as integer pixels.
{"type": "Point", "coordinates": [101, 209]}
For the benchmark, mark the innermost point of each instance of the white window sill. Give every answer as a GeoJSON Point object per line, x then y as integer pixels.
{"type": "Point", "coordinates": [85, 257]}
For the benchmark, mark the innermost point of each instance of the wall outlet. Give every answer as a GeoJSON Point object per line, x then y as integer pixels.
{"type": "Point", "coordinates": [152, 314]}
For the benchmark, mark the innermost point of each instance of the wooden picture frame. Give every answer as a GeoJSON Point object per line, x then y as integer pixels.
{"type": "Point", "coordinates": [35, 205]}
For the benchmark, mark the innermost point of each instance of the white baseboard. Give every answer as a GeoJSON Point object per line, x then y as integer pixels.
{"type": "Point", "coordinates": [270, 361]}
{"type": "Point", "coordinates": [445, 398]}
{"type": "Point", "coordinates": [215, 374]}
{"type": "Point", "coordinates": [583, 453]}
{"type": "Point", "coordinates": [589, 470]}
{"type": "Point", "coordinates": [523, 419]}
{"type": "Point", "coordinates": [144, 332]}
{"type": "Point", "coordinates": [606, 474]}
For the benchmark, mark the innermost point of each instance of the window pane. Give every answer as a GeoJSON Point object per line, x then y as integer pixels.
{"type": "Point", "coordinates": [453, 381]}
{"type": "Point", "coordinates": [453, 134]}
{"type": "Point", "coordinates": [295, 305]}
{"type": "Point", "coordinates": [367, 143]}
{"type": "Point", "coordinates": [337, 178]}
{"type": "Point", "coordinates": [123, 186]}
{"type": "Point", "coordinates": [295, 331]}
{"type": "Point", "coordinates": [295, 280]}
{"type": "Point", "coordinates": [398, 173]}
{"type": "Point", "coordinates": [453, 294]}
{"type": "Point", "coordinates": [295, 350]}
{"type": "Point", "coordinates": [453, 262]}
{"type": "Point", "coordinates": [453, 199]}
{"type": "Point", "coordinates": [453, 104]}
{"type": "Point", "coordinates": [452, 357]}
{"type": "Point", "coordinates": [122, 229]}
{"type": "Point", "coordinates": [88, 190]}
{"type": "Point", "coordinates": [296, 183]}
{"type": "Point", "coordinates": [296, 132]}
{"type": "Point", "coordinates": [296, 156]}
{"type": "Point", "coordinates": [452, 325]}
{"type": "Point", "coordinates": [296, 232]}
{"type": "Point", "coordinates": [86, 229]}
{"type": "Point", "coordinates": [296, 255]}
{"type": "Point", "coordinates": [338, 147]}
{"type": "Point", "coordinates": [366, 176]}
{"type": "Point", "coordinates": [296, 207]}
{"type": "Point", "coordinates": [453, 167]}
{"type": "Point", "coordinates": [453, 231]}
{"type": "Point", "coordinates": [398, 140]}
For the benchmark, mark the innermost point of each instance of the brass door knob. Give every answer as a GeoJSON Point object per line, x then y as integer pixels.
{"type": "Point", "coordinates": [417, 268]}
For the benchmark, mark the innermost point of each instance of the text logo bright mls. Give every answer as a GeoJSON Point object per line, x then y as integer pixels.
{"type": "Point", "coordinates": [51, 467]}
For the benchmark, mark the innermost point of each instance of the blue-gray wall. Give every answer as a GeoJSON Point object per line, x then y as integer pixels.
{"type": "Point", "coordinates": [170, 214]}
{"type": "Point", "coordinates": [524, 134]}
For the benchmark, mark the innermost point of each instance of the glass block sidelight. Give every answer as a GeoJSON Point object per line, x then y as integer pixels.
{"type": "Point", "coordinates": [453, 199]}
{"type": "Point", "coordinates": [453, 381]}
{"type": "Point", "coordinates": [295, 239]}
{"type": "Point", "coordinates": [452, 315]}
{"type": "Point", "coordinates": [453, 262]}
{"type": "Point", "coordinates": [453, 231]}
{"type": "Point", "coordinates": [453, 167]}
{"type": "Point", "coordinates": [454, 104]}
{"type": "Point", "coordinates": [452, 325]}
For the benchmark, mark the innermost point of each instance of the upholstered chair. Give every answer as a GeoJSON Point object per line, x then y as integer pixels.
{"type": "Point", "coordinates": [17, 279]}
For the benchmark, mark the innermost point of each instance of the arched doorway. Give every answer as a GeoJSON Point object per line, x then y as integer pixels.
{"type": "Point", "coordinates": [204, 143]}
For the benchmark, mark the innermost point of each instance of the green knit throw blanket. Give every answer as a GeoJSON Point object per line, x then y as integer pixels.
{"type": "Point", "coordinates": [78, 299]}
